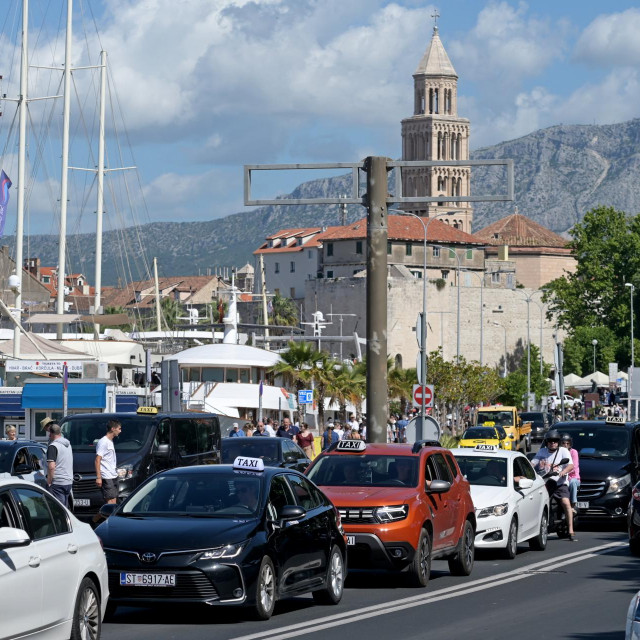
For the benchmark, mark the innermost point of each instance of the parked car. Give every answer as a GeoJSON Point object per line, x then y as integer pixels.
{"type": "Point", "coordinates": [24, 459]}
{"type": "Point", "coordinates": [53, 573]}
{"type": "Point", "coordinates": [569, 401]}
{"type": "Point", "coordinates": [484, 435]}
{"type": "Point", "coordinates": [518, 431]}
{"type": "Point", "coordinates": [539, 423]}
{"type": "Point", "coordinates": [224, 535]}
{"type": "Point", "coordinates": [633, 521]}
{"type": "Point", "coordinates": [274, 452]}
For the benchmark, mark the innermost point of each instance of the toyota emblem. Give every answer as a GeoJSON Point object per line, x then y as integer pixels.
{"type": "Point", "coordinates": [77, 477]}
{"type": "Point", "coordinates": [148, 557]}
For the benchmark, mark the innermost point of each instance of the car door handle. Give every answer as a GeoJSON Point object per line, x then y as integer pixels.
{"type": "Point", "coordinates": [72, 548]}
{"type": "Point", "coordinates": [34, 561]}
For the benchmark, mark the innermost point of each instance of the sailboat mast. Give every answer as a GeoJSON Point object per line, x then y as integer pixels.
{"type": "Point", "coordinates": [22, 144]}
{"type": "Point", "coordinates": [62, 245]}
{"type": "Point", "coordinates": [157, 287]}
{"type": "Point", "coordinates": [100, 206]}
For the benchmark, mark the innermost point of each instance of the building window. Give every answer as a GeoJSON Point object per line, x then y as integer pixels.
{"type": "Point", "coordinates": [417, 275]}
{"type": "Point", "coordinates": [469, 254]}
{"type": "Point", "coordinates": [292, 292]}
{"type": "Point", "coordinates": [359, 246]}
{"type": "Point", "coordinates": [292, 267]}
{"type": "Point", "coordinates": [388, 248]}
{"type": "Point", "coordinates": [436, 252]}
{"type": "Point", "coordinates": [329, 248]}
{"type": "Point", "coordinates": [495, 277]}
{"type": "Point", "coordinates": [277, 267]}
{"type": "Point", "coordinates": [510, 284]}
{"type": "Point", "coordinates": [445, 275]}
{"type": "Point", "coordinates": [309, 254]}
{"type": "Point", "coordinates": [408, 249]}
{"type": "Point", "coordinates": [329, 274]}
{"type": "Point", "coordinates": [276, 291]}
{"type": "Point", "coordinates": [46, 279]}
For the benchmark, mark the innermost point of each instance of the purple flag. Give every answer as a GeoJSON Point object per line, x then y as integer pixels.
{"type": "Point", "coordinates": [5, 183]}
{"type": "Point", "coordinates": [65, 377]}
{"type": "Point", "coordinates": [260, 390]}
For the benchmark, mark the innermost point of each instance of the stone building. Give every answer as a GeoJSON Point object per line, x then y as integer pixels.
{"type": "Point", "coordinates": [539, 254]}
{"type": "Point", "coordinates": [436, 132]}
{"type": "Point", "coordinates": [35, 296]}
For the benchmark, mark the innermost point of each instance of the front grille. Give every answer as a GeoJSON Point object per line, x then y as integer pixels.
{"type": "Point", "coordinates": [191, 585]}
{"type": "Point", "coordinates": [85, 486]}
{"type": "Point", "coordinates": [356, 515]}
{"type": "Point", "coordinates": [590, 490]}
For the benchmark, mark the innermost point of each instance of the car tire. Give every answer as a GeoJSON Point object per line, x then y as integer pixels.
{"type": "Point", "coordinates": [87, 614]}
{"type": "Point", "coordinates": [511, 550]}
{"type": "Point", "coordinates": [539, 543]}
{"type": "Point", "coordinates": [332, 593]}
{"type": "Point", "coordinates": [562, 529]}
{"type": "Point", "coordinates": [420, 568]}
{"type": "Point", "coordinates": [265, 590]}
{"type": "Point", "coordinates": [634, 547]}
{"type": "Point", "coordinates": [461, 564]}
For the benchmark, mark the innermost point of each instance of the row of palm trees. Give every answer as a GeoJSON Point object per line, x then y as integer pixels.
{"type": "Point", "coordinates": [336, 381]}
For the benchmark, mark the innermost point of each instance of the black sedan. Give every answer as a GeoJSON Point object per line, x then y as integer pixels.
{"type": "Point", "coordinates": [241, 534]}
{"type": "Point", "coordinates": [275, 452]}
{"type": "Point", "coordinates": [24, 459]}
{"type": "Point", "coordinates": [633, 521]}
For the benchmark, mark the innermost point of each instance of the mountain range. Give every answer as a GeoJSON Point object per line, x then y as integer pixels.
{"type": "Point", "coordinates": [560, 173]}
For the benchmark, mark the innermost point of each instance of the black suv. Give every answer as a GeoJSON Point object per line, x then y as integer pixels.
{"type": "Point", "coordinates": [539, 424]}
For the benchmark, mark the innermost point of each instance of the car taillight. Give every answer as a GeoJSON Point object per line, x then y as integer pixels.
{"type": "Point", "coordinates": [636, 492]}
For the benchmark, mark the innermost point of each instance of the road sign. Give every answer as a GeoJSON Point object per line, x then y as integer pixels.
{"type": "Point", "coordinates": [430, 430]}
{"type": "Point", "coordinates": [419, 336]}
{"type": "Point", "coordinates": [417, 395]}
{"type": "Point", "coordinates": [305, 396]}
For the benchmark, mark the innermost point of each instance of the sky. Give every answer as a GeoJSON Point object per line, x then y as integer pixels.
{"type": "Point", "coordinates": [203, 87]}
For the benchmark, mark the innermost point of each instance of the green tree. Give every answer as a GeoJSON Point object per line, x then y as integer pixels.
{"type": "Point", "coordinates": [285, 312]}
{"type": "Point", "coordinates": [515, 384]}
{"type": "Point", "coordinates": [578, 350]}
{"type": "Point", "coordinates": [296, 364]}
{"type": "Point", "coordinates": [171, 310]}
{"type": "Point", "coordinates": [400, 384]}
{"type": "Point", "coordinates": [347, 385]}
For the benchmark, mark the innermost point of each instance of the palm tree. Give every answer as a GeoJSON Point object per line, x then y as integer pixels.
{"type": "Point", "coordinates": [171, 310]}
{"type": "Point", "coordinates": [400, 385]}
{"type": "Point", "coordinates": [348, 385]}
{"type": "Point", "coordinates": [296, 364]}
{"type": "Point", "coordinates": [323, 374]}
{"type": "Point", "coordinates": [285, 312]}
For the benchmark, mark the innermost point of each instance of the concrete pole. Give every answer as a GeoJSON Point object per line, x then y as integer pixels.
{"type": "Point", "coordinates": [263, 288]}
{"type": "Point", "coordinates": [458, 316]}
{"type": "Point", "coordinates": [157, 291]}
{"type": "Point", "coordinates": [528, 356]}
{"type": "Point", "coordinates": [64, 174]}
{"type": "Point", "coordinates": [22, 146]}
{"type": "Point", "coordinates": [377, 237]}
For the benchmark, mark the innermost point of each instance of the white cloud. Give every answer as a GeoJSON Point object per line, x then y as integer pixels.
{"type": "Point", "coordinates": [611, 40]}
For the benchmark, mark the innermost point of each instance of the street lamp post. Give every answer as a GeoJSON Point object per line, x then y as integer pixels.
{"type": "Point", "coordinates": [630, 376]}
{"type": "Point", "coordinates": [594, 342]}
{"type": "Point", "coordinates": [497, 324]}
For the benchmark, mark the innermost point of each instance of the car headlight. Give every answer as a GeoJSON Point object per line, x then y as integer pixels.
{"type": "Point", "coordinates": [615, 484]}
{"type": "Point", "coordinates": [228, 551]}
{"type": "Point", "coordinates": [392, 514]}
{"type": "Point", "coordinates": [125, 472]}
{"type": "Point", "coordinates": [495, 510]}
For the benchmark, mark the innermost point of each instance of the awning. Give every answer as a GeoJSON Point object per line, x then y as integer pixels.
{"type": "Point", "coordinates": [53, 318]}
{"type": "Point", "coordinates": [81, 395]}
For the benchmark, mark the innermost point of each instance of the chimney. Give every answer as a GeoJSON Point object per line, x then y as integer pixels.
{"type": "Point", "coordinates": [503, 252]}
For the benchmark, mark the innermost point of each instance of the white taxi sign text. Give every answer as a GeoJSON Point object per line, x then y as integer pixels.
{"type": "Point", "coordinates": [615, 420]}
{"type": "Point", "coordinates": [248, 464]}
{"type": "Point", "coordinates": [485, 447]}
{"type": "Point", "coordinates": [351, 445]}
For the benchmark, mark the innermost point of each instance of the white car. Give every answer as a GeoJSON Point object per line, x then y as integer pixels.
{"type": "Point", "coordinates": [53, 572]}
{"type": "Point", "coordinates": [569, 401]}
{"type": "Point", "coordinates": [508, 512]}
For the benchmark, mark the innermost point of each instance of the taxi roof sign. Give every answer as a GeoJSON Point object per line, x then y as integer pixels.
{"type": "Point", "coordinates": [242, 463]}
{"type": "Point", "coordinates": [355, 446]}
{"type": "Point", "coordinates": [615, 420]}
{"type": "Point", "coordinates": [486, 447]}
{"type": "Point", "coordinates": [151, 411]}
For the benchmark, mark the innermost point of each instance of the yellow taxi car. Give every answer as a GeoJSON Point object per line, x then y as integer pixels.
{"type": "Point", "coordinates": [490, 435]}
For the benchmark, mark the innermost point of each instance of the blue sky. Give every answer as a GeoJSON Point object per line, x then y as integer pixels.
{"type": "Point", "coordinates": [206, 86]}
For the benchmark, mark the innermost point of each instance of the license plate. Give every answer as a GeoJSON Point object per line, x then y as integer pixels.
{"type": "Point", "coordinates": [583, 505]}
{"type": "Point", "coordinates": [147, 579]}
{"type": "Point", "coordinates": [81, 502]}
{"type": "Point", "coordinates": [351, 540]}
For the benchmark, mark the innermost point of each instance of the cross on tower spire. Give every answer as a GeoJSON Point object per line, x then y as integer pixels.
{"type": "Point", "coordinates": [435, 15]}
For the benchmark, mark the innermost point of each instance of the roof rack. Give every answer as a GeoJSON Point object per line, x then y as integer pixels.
{"type": "Point", "coordinates": [420, 444]}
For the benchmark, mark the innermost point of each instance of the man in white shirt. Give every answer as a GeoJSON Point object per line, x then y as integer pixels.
{"type": "Point", "coordinates": [268, 427]}
{"type": "Point", "coordinates": [106, 469]}
{"type": "Point", "coordinates": [337, 429]}
{"type": "Point", "coordinates": [353, 422]}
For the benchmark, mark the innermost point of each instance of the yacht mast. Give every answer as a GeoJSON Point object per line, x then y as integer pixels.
{"type": "Point", "coordinates": [22, 111]}
{"type": "Point", "coordinates": [62, 245]}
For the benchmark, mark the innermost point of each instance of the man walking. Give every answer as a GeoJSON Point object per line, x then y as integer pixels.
{"type": "Point", "coordinates": [106, 473]}
{"type": "Point", "coordinates": [59, 465]}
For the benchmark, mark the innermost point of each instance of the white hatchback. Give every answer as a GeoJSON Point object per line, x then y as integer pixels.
{"type": "Point", "coordinates": [53, 572]}
{"type": "Point", "coordinates": [511, 501]}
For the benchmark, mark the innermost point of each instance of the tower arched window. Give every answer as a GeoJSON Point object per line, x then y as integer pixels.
{"type": "Point", "coordinates": [459, 146]}
{"type": "Point", "coordinates": [439, 145]}
{"type": "Point", "coordinates": [431, 100]}
{"type": "Point", "coordinates": [436, 101]}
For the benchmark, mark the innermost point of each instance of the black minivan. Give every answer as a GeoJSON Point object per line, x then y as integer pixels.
{"type": "Point", "coordinates": [149, 442]}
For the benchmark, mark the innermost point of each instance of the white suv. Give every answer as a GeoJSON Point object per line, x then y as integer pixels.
{"type": "Point", "coordinates": [569, 401]}
{"type": "Point", "coordinates": [55, 559]}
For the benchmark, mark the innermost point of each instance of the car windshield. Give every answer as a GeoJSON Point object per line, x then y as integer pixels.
{"type": "Point", "coordinates": [265, 448]}
{"type": "Point", "coordinates": [536, 419]}
{"type": "Point", "coordinates": [486, 433]}
{"type": "Point", "coordinates": [365, 471]}
{"type": "Point", "coordinates": [486, 472]}
{"type": "Point", "coordinates": [224, 495]}
{"type": "Point", "coordinates": [6, 458]}
{"type": "Point", "coordinates": [598, 441]}
{"type": "Point", "coordinates": [84, 432]}
{"type": "Point", "coordinates": [498, 418]}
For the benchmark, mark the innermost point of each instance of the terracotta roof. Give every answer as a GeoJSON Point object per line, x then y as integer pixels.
{"type": "Point", "coordinates": [404, 228]}
{"type": "Point", "coordinates": [519, 231]}
{"type": "Point", "coordinates": [531, 250]}
{"type": "Point", "coordinates": [314, 241]}
{"type": "Point", "coordinates": [290, 233]}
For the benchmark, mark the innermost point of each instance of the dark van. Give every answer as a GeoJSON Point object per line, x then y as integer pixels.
{"type": "Point", "coordinates": [149, 442]}
{"type": "Point", "coordinates": [609, 456]}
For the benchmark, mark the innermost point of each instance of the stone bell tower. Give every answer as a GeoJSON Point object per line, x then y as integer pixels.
{"type": "Point", "coordinates": [435, 132]}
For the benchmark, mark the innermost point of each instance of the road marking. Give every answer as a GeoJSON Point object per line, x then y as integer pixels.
{"type": "Point", "coordinates": [347, 617]}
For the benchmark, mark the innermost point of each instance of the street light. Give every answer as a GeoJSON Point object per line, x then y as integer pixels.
{"type": "Point", "coordinates": [630, 376]}
{"type": "Point", "coordinates": [594, 342]}
{"type": "Point", "coordinates": [497, 324]}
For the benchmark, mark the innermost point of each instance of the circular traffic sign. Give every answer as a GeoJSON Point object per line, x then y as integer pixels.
{"type": "Point", "coordinates": [417, 396]}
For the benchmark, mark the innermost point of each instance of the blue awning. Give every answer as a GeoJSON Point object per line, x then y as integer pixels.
{"type": "Point", "coordinates": [82, 395]}
{"type": "Point", "coordinates": [11, 405]}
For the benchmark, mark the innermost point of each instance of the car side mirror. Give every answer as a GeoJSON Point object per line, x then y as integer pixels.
{"type": "Point", "coordinates": [19, 469]}
{"type": "Point", "coordinates": [292, 512]}
{"type": "Point", "coordinates": [439, 486]}
{"type": "Point", "coordinates": [162, 451]}
{"type": "Point", "coordinates": [107, 509]}
{"type": "Point", "coordinates": [10, 538]}
{"type": "Point", "coordinates": [525, 483]}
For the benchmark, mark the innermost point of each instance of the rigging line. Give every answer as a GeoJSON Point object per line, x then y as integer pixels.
{"type": "Point", "coordinates": [95, 24]}
{"type": "Point", "coordinates": [12, 36]}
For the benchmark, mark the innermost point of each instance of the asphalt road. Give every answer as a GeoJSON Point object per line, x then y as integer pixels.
{"type": "Point", "coordinates": [575, 591]}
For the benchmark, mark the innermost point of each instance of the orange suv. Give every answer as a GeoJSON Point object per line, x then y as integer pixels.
{"type": "Point", "coordinates": [401, 505]}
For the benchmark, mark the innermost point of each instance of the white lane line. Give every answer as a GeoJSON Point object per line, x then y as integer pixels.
{"type": "Point", "coordinates": [449, 592]}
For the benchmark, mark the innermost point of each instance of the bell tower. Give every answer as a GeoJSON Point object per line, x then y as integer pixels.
{"type": "Point", "coordinates": [435, 132]}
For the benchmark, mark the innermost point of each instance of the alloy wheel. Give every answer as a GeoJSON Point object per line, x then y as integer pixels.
{"type": "Point", "coordinates": [89, 615]}
{"type": "Point", "coordinates": [336, 574]}
{"type": "Point", "coordinates": [267, 588]}
{"type": "Point", "coordinates": [424, 557]}
{"type": "Point", "coordinates": [468, 546]}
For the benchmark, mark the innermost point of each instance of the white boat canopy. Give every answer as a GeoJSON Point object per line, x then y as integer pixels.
{"type": "Point", "coordinates": [226, 355]}
{"type": "Point", "coordinates": [45, 349]}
